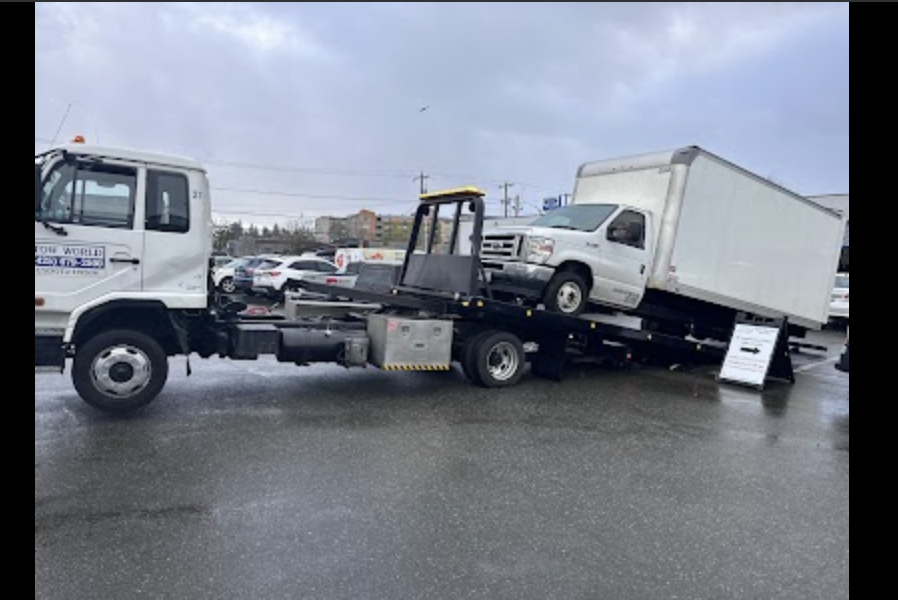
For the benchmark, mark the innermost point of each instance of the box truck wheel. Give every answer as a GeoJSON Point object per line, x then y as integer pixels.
{"type": "Point", "coordinates": [498, 359]}
{"type": "Point", "coordinates": [567, 293]}
{"type": "Point", "coordinates": [120, 371]}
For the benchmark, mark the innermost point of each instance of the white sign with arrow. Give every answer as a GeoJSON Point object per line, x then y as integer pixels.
{"type": "Point", "coordinates": [749, 355]}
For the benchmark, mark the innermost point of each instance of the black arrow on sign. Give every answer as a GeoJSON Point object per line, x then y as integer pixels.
{"type": "Point", "coordinates": [751, 350]}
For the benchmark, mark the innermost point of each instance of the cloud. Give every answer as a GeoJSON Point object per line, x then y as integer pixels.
{"type": "Point", "coordinates": [257, 31]}
{"type": "Point", "coordinates": [517, 92]}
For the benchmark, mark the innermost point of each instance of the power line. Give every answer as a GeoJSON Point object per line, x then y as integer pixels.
{"type": "Point", "coordinates": [309, 196]}
{"type": "Point", "coordinates": [310, 170]}
{"type": "Point", "coordinates": [339, 172]}
{"type": "Point", "coordinates": [299, 216]}
{"type": "Point", "coordinates": [422, 178]}
{"type": "Point", "coordinates": [396, 174]}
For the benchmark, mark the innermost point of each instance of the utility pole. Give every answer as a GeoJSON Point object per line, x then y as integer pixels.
{"type": "Point", "coordinates": [423, 179]}
{"type": "Point", "coordinates": [517, 206]}
{"type": "Point", "coordinates": [506, 200]}
{"type": "Point", "coordinates": [564, 199]}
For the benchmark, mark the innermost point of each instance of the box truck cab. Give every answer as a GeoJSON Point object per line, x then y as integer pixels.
{"type": "Point", "coordinates": [683, 239]}
{"type": "Point", "coordinates": [583, 253]}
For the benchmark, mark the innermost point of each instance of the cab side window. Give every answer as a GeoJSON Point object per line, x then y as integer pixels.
{"type": "Point", "coordinates": [168, 202]}
{"type": "Point", "coordinates": [628, 229]}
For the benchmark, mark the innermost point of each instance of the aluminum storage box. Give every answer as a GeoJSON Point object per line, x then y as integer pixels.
{"type": "Point", "coordinates": [403, 344]}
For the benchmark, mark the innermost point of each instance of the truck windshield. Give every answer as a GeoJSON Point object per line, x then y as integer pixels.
{"type": "Point", "coordinates": [583, 217]}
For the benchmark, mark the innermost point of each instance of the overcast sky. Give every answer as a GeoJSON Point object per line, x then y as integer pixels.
{"type": "Point", "coordinates": [328, 108]}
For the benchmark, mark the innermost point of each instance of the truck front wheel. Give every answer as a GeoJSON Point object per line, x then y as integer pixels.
{"type": "Point", "coordinates": [567, 293]}
{"type": "Point", "coordinates": [120, 371]}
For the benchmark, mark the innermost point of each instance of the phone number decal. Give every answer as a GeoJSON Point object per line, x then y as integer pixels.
{"type": "Point", "coordinates": [72, 258]}
{"type": "Point", "coordinates": [67, 262]}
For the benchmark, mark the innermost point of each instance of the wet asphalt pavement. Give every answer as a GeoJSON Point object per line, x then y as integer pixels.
{"type": "Point", "coordinates": [263, 481]}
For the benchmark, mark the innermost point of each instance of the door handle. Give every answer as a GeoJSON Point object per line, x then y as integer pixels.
{"type": "Point", "coordinates": [130, 261]}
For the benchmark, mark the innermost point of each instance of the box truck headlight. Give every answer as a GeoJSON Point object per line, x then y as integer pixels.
{"type": "Point", "coordinates": [539, 249]}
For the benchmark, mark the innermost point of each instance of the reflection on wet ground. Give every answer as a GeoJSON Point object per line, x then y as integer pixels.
{"type": "Point", "coordinates": [258, 480]}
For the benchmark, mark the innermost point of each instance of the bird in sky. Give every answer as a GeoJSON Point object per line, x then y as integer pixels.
{"type": "Point", "coordinates": [423, 108]}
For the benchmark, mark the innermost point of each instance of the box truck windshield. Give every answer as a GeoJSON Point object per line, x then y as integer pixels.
{"type": "Point", "coordinates": [585, 217]}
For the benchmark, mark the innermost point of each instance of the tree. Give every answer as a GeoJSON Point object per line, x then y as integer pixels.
{"type": "Point", "coordinates": [301, 236]}
{"type": "Point", "coordinates": [223, 233]}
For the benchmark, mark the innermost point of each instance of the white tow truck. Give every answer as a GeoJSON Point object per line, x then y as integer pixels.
{"type": "Point", "coordinates": [122, 241]}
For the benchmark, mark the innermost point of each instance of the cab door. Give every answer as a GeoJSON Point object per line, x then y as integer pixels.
{"type": "Point", "coordinates": [86, 245]}
{"type": "Point", "coordinates": [624, 256]}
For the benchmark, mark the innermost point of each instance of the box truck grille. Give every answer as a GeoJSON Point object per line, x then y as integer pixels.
{"type": "Point", "coordinates": [501, 248]}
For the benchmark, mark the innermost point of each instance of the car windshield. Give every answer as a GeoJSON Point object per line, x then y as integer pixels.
{"type": "Point", "coordinates": [584, 217]}
{"type": "Point", "coordinates": [842, 281]}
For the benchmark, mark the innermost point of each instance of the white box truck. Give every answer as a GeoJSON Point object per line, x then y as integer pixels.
{"type": "Point", "coordinates": [683, 239]}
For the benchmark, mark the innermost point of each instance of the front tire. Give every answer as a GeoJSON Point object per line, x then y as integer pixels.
{"type": "Point", "coordinates": [120, 372]}
{"type": "Point", "coordinates": [567, 293]}
{"type": "Point", "coordinates": [291, 287]}
{"type": "Point", "coordinates": [227, 285]}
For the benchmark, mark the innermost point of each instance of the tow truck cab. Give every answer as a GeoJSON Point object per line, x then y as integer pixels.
{"type": "Point", "coordinates": [115, 229]}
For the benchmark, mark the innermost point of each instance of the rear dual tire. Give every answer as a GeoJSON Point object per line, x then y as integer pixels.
{"type": "Point", "coordinates": [494, 359]}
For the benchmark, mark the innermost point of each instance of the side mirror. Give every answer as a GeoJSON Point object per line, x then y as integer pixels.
{"type": "Point", "coordinates": [37, 189]}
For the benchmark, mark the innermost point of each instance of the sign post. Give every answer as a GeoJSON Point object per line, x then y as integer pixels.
{"type": "Point", "coordinates": [758, 350]}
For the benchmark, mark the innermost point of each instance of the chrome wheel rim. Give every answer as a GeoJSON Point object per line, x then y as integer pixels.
{"type": "Point", "coordinates": [503, 361]}
{"type": "Point", "coordinates": [122, 371]}
{"type": "Point", "coordinates": [570, 297]}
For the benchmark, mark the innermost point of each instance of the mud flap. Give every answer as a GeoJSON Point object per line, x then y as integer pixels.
{"type": "Point", "coordinates": [549, 361]}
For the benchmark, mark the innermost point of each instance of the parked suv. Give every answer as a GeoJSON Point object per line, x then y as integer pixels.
{"type": "Point", "coordinates": [276, 277]}
{"type": "Point", "coordinates": [244, 275]}
{"type": "Point", "coordinates": [223, 276]}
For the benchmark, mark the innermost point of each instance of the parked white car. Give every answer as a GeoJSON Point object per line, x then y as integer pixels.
{"type": "Point", "coordinates": [288, 272]}
{"type": "Point", "coordinates": [223, 276]}
{"type": "Point", "coordinates": [220, 260]}
{"type": "Point", "coordinates": [838, 307]}
{"type": "Point", "coordinates": [347, 277]}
